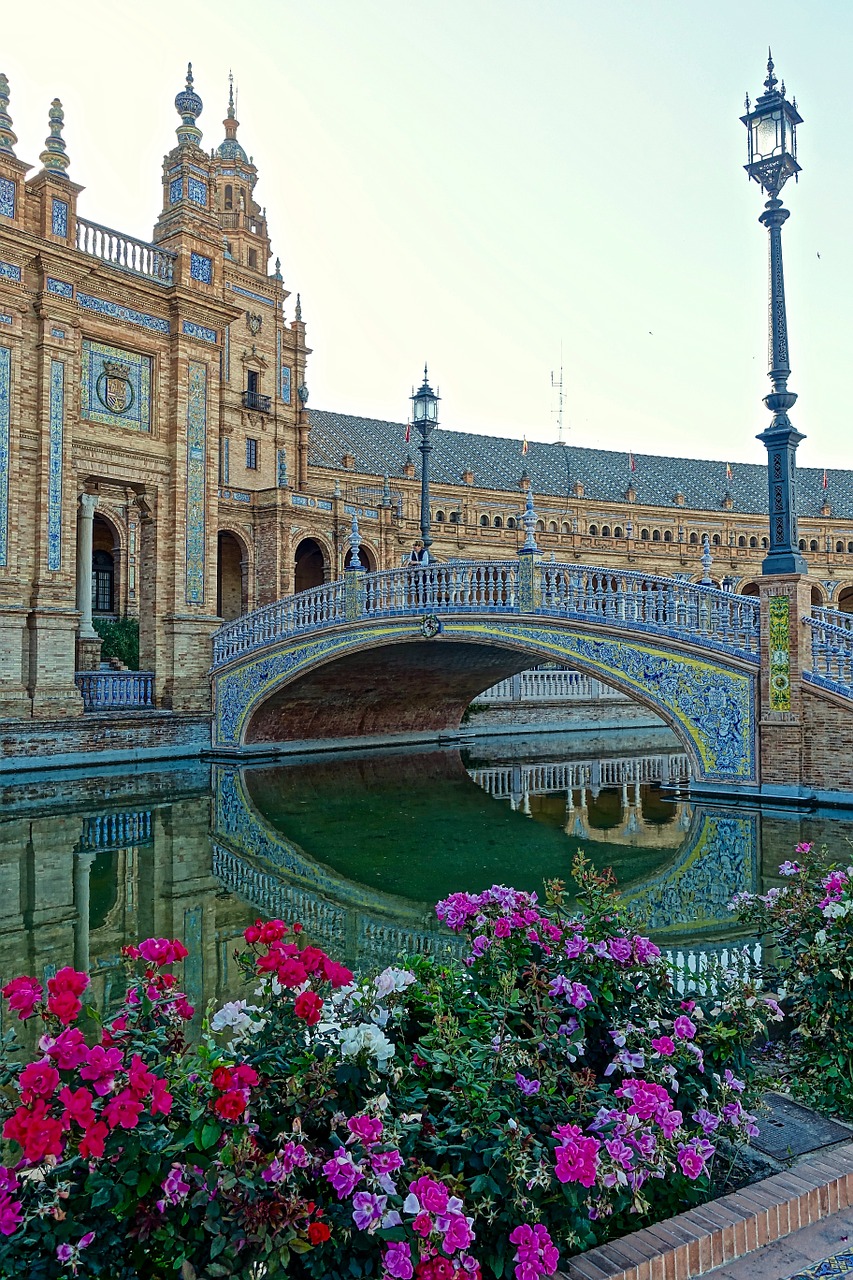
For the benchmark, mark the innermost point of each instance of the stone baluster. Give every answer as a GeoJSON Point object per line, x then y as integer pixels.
{"type": "Point", "coordinates": [88, 654]}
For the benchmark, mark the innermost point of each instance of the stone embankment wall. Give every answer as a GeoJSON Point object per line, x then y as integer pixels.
{"type": "Point", "coordinates": [114, 739]}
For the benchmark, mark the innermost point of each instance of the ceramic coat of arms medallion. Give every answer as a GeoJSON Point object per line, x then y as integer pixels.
{"type": "Point", "coordinates": [114, 388]}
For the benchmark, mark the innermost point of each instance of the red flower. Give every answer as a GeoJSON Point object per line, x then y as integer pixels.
{"type": "Point", "coordinates": [139, 1078]}
{"type": "Point", "coordinates": [291, 973]}
{"type": "Point", "coordinates": [230, 1105]}
{"type": "Point", "coordinates": [65, 1006]}
{"type": "Point", "coordinates": [36, 1132]}
{"type": "Point", "coordinates": [124, 1109]}
{"type": "Point", "coordinates": [161, 1099]}
{"type": "Point", "coordinates": [183, 1007]}
{"type": "Point", "coordinates": [318, 1233]}
{"type": "Point", "coordinates": [78, 1107]}
{"type": "Point", "coordinates": [244, 1076]}
{"type": "Point", "coordinates": [272, 931]}
{"type": "Point", "coordinates": [308, 1006]}
{"type": "Point", "coordinates": [338, 974]}
{"type": "Point", "coordinates": [38, 1080]}
{"type": "Point", "coordinates": [160, 951]}
{"type": "Point", "coordinates": [253, 933]}
{"type": "Point", "coordinates": [91, 1145]}
{"type": "Point", "coordinates": [101, 1067]}
{"type": "Point", "coordinates": [23, 994]}
{"type": "Point", "coordinates": [68, 980]}
{"type": "Point", "coordinates": [221, 1078]}
{"type": "Point", "coordinates": [312, 958]}
{"type": "Point", "coordinates": [69, 1049]}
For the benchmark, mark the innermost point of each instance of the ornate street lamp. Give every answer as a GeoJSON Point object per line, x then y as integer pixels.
{"type": "Point", "coordinates": [772, 130]}
{"type": "Point", "coordinates": [425, 418]}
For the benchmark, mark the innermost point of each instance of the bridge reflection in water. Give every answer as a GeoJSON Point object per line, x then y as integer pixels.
{"type": "Point", "coordinates": [359, 848]}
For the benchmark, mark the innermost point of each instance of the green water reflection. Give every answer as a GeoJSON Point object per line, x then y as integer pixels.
{"type": "Point", "coordinates": [360, 847]}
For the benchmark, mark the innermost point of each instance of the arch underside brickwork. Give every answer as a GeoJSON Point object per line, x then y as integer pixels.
{"type": "Point", "coordinates": [381, 677]}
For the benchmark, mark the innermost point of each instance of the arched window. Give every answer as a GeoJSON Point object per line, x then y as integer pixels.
{"type": "Point", "coordinates": [753, 542]}
{"type": "Point", "coordinates": [694, 539]}
{"type": "Point", "coordinates": [839, 546]}
{"type": "Point", "coordinates": [617, 532]}
{"type": "Point", "coordinates": [510, 522]}
{"type": "Point", "coordinates": [644, 535]}
{"type": "Point", "coordinates": [498, 522]}
{"type": "Point", "coordinates": [655, 535]}
{"type": "Point", "coordinates": [439, 517]}
{"type": "Point", "coordinates": [667, 535]}
{"type": "Point", "coordinates": [764, 543]}
{"type": "Point", "coordinates": [849, 547]}
{"type": "Point", "coordinates": [484, 521]}
{"type": "Point", "coordinates": [605, 531]}
{"type": "Point", "coordinates": [716, 540]}
{"type": "Point", "coordinates": [593, 530]}
{"type": "Point", "coordinates": [229, 197]}
{"type": "Point", "coordinates": [565, 527]}
{"type": "Point", "coordinates": [741, 541]}
{"type": "Point", "coordinates": [103, 577]}
{"type": "Point", "coordinates": [802, 544]}
{"type": "Point", "coordinates": [813, 545]}
{"type": "Point", "coordinates": [540, 526]}
{"type": "Point", "coordinates": [454, 517]}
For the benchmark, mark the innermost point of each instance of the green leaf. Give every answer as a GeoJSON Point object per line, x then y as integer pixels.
{"type": "Point", "coordinates": [217, 1246]}
{"type": "Point", "coordinates": [210, 1135]}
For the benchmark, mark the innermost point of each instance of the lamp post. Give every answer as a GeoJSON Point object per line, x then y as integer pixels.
{"type": "Point", "coordinates": [772, 131]}
{"type": "Point", "coordinates": [425, 418]}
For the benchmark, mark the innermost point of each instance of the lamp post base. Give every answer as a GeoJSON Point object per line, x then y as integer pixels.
{"type": "Point", "coordinates": [784, 562]}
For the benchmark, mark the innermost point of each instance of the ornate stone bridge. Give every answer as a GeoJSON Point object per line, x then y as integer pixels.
{"type": "Point", "coordinates": [742, 682]}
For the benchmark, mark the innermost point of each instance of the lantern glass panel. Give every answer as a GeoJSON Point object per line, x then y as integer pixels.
{"type": "Point", "coordinates": [767, 136]}
{"type": "Point", "coordinates": [432, 409]}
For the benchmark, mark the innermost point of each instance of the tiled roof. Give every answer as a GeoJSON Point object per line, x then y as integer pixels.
{"type": "Point", "coordinates": [497, 463]}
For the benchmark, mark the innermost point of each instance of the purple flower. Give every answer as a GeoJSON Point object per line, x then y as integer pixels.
{"type": "Point", "coordinates": [383, 1164]}
{"type": "Point", "coordinates": [620, 950]}
{"type": "Point", "coordinates": [684, 1028]}
{"type": "Point", "coordinates": [620, 1152]}
{"type": "Point", "coordinates": [645, 950]}
{"type": "Point", "coordinates": [367, 1210]}
{"type": "Point", "coordinates": [580, 995]}
{"type": "Point", "coordinates": [560, 986]}
{"type": "Point", "coordinates": [576, 946]}
{"type": "Point", "coordinates": [733, 1082]}
{"type": "Point", "coordinates": [343, 1174]}
{"type": "Point", "coordinates": [706, 1119]}
{"type": "Point", "coordinates": [398, 1260]}
{"type": "Point", "coordinates": [527, 1087]}
{"type": "Point", "coordinates": [176, 1190]}
{"type": "Point", "coordinates": [789, 869]}
{"type": "Point", "coordinates": [480, 945]}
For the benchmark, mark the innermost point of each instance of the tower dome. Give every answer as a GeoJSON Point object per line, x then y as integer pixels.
{"type": "Point", "coordinates": [230, 148]}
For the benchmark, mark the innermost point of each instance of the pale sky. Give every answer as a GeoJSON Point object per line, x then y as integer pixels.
{"type": "Point", "coordinates": [473, 182]}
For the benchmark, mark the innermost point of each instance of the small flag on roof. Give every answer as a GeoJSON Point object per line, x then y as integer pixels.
{"type": "Point", "coordinates": [825, 481]}
{"type": "Point", "coordinates": [729, 472]}
{"type": "Point", "coordinates": [524, 447]}
{"type": "Point", "coordinates": [408, 432]}
{"type": "Point", "coordinates": [632, 462]}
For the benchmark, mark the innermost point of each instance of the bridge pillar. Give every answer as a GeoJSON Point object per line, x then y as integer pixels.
{"type": "Point", "coordinates": [785, 600]}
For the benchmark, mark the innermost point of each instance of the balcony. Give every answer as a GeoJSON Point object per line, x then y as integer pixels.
{"type": "Point", "coordinates": [254, 400]}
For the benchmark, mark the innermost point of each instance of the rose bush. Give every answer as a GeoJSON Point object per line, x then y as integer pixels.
{"type": "Point", "coordinates": [809, 922]}
{"type": "Point", "coordinates": [448, 1120]}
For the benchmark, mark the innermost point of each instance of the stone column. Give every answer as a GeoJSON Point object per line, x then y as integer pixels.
{"type": "Point", "coordinates": [785, 653]}
{"type": "Point", "coordinates": [88, 641]}
{"type": "Point", "coordinates": [82, 867]}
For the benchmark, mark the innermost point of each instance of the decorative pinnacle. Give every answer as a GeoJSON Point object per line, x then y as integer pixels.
{"type": "Point", "coordinates": [706, 561]}
{"type": "Point", "coordinates": [355, 545]}
{"type": "Point", "coordinates": [189, 107]}
{"type": "Point", "coordinates": [529, 522]}
{"type": "Point", "coordinates": [230, 95]}
{"type": "Point", "coordinates": [54, 157]}
{"type": "Point", "coordinates": [8, 138]}
{"type": "Point", "coordinates": [386, 490]}
{"type": "Point", "coordinates": [298, 312]}
{"type": "Point", "coordinates": [278, 268]}
{"type": "Point", "coordinates": [770, 82]}
{"type": "Point", "coordinates": [231, 123]}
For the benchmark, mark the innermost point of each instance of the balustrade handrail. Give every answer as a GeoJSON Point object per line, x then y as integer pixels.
{"type": "Point", "coordinates": [125, 252]}
{"type": "Point", "coordinates": [687, 611]}
{"type": "Point", "coordinates": [831, 617]}
{"type": "Point", "coordinates": [115, 690]}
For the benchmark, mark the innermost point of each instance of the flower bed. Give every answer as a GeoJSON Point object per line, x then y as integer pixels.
{"type": "Point", "coordinates": [809, 920]}
{"type": "Point", "coordinates": [447, 1120]}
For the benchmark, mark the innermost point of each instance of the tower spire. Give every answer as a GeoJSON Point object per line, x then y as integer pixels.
{"type": "Point", "coordinates": [189, 107]}
{"type": "Point", "coordinates": [54, 157]}
{"type": "Point", "coordinates": [8, 138]}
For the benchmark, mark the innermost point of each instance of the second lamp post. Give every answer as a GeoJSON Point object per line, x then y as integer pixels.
{"type": "Point", "coordinates": [425, 418]}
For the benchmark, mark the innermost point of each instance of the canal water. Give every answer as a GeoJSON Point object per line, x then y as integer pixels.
{"type": "Point", "coordinates": [360, 846]}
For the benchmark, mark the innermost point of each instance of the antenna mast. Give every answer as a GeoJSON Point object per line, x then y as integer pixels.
{"type": "Point", "coordinates": [558, 384]}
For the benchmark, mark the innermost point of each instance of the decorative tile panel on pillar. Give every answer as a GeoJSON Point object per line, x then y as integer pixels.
{"type": "Point", "coordinates": [196, 481]}
{"type": "Point", "coordinates": [54, 491]}
{"type": "Point", "coordinates": [5, 445]}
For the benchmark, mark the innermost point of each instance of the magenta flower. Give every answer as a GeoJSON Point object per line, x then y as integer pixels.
{"type": "Point", "coordinates": [580, 996]}
{"type": "Point", "coordinates": [535, 1253]}
{"type": "Point", "coordinates": [684, 1028]}
{"type": "Point", "coordinates": [457, 1232]}
{"type": "Point", "coordinates": [692, 1161]}
{"type": "Point", "coordinates": [789, 869]}
{"type": "Point", "coordinates": [620, 950]}
{"type": "Point", "coordinates": [383, 1164]}
{"type": "Point", "coordinates": [664, 1046]}
{"type": "Point", "coordinates": [430, 1195]}
{"type": "Point", "coordinates": [577, 1156]}
{"type": "Point", "coordinates": [101, 1067]}
{"type": "Point", "coordinates": [804, 848]}
{"type": "Point", "coordinates": [366, 1128]}
{"type": "Point", "coordinates": [68, 1050]}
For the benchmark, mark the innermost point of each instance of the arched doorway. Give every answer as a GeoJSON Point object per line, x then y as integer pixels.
{"type": "Point", "coordinates": [749, 589]}
{"type": "Point", "coordinates": [845, 600]}
{"type": "Point", "coordinates": [309, 565]}
{"type": "Point", "coordinates": [231, 587]}
{"type": "Point", "coordinates": [365, 555]}
{"type": "Point", "coordinates": [818, 596]}
{"type": "Point", "coordinates": [105, 562]}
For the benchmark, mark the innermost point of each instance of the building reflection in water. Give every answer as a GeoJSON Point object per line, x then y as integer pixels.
{"type": "Point", "coordinates": [359, 848]}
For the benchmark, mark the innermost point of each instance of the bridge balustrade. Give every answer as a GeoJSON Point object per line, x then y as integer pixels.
{"type": "Point", "coordinates": [832, 650]}
{"type": "Point", "coordinates": [688, 611]}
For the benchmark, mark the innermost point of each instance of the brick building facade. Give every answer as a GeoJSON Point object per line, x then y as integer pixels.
{"type": "Point", "coordinates": [158, 458]}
